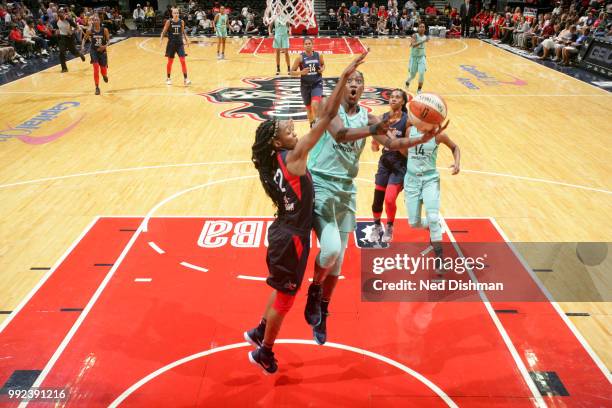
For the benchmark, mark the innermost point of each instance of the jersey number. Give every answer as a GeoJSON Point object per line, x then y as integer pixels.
{"type": "Point", "coordinates": [419, 150]}
{"type": "Point", "coordinates": [312, 68]}
{"type": "Point", "coordinates": [278, 179]}
{"type": "Point", "coordinates": [176, 30]}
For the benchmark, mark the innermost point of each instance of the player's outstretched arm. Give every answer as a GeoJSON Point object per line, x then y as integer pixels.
{"type": "Point", "coordinates": [444, 139]}
{"type": "Point", "coordinates": [296, 159]}
{"type": "Point", "coordinates": [393, 143]}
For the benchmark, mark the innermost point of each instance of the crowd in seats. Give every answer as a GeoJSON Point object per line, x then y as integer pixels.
{"type": "Point", "coordinates": [199, 18]}
{"type": "Point", "coordinates": [27, 33]}
{"type": "Point", "coordinates": [560, 34]}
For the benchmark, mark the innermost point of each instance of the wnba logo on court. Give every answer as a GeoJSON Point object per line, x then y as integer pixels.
{"type": "Point", "coordinates": [25, 130]}
{"type": "Point", "coordinates": [280, 98]}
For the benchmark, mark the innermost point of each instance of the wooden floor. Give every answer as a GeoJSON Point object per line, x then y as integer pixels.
{"type": "Point", "coordinates": [535, 156]}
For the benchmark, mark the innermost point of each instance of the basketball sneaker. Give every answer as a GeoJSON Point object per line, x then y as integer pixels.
{"type": "Point", "coordinates": [187, 81]}
{"type": "Point", "coordinates": [439, 261]}
{"type": "Point", "coordinates": [375, 233]}
{"type": "Point", "coordinates": [388, 234]}
{"type": "Point", "coordinates": [105, 78]}
{"type": "Point", "coordinates": [168, 81]}
{"type": "Point", "coordinates": [312, 312]}
{"type": "Point", "coordinates": [97, 91]}
{"type": "Point", "coordinates": [265, 359]}
{"type": "Point", "coordinates": [255, 336]}
{"type": "Point", "coordinates": [320, 331]}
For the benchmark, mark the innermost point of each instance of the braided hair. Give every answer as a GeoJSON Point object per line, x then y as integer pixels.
{"type": "Point", "coordinates": [264, 157]}
{"type": "Point", "coordinates": [404, 98]}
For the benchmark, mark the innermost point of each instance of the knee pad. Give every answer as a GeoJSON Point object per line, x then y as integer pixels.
{"type": "Point", "coordinates": [283, 302]}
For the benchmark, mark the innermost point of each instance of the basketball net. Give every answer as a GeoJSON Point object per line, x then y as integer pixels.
{"type": "Point", "coordinates": [296, 12]}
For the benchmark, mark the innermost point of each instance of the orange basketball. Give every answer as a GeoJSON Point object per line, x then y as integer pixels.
{"type": "Point", "coordinates": [428, 108]}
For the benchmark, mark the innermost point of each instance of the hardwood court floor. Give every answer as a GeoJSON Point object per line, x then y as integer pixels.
{"type": "Point", "coordinates": [535, 144]}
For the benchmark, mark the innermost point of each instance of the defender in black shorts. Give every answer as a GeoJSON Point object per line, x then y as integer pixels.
{"type": "Point", "coordinates": [309, 66]}
{"type": "Point", "coordinates": [175, 28]}
{"type": "Point", "coordinates": [280, 158]}
{"type": "Point", "coordinates": [391, 169]}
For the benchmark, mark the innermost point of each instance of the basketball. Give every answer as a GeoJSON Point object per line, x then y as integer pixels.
{"type": "Point", "coordinates": [428, 108]}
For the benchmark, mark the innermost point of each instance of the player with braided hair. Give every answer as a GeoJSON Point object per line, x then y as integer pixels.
{"type": "Point", "coordinates": [280, 158]}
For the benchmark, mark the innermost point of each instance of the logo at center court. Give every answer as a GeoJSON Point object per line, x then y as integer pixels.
{"type": "Point", "coordinates": [280, 98]}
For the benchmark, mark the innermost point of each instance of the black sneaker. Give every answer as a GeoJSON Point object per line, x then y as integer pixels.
{"type": "Point", "coordinates": [320, 331]}
{"type": "Point", "coordinates": [82, 57]}
{"type": "Point", "coordinates": [105, 78]}
{"type": "Point", "coordinates": [438, 261]}
{"type": "Point", "coordinates": [265, 359]}
{"type": "Point", "coordinates": [312, 312]}
{"type": "Point", "coordinates": [97, 91]}
{"type": "Point", "coordinates": [254, 337]}
{"type": "Point", "coordinates": [64, 70]}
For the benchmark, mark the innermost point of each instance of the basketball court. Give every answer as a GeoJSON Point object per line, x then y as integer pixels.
{"type": "Point", "coordinates": [134, 233]}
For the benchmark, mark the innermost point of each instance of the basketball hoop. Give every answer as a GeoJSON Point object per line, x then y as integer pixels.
{"type": "Point", "coordinates": [296, 12]}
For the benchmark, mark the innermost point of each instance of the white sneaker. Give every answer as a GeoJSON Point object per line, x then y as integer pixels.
{"type": "Point", "coordinates": [187, 81]}
{"type": "Point", "coordinates": [168, 81]}
{"type": "Point", "coordinates": [218, 56]}
{"type": "Point", "coordinates": [388, 235]}
{"type": "Point", "coordinates": [44, 52]}
{"type": "Point", "coordinates": [375, 233]}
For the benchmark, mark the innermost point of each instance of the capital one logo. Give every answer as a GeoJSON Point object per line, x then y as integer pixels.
{"type": "Point", "coordinates": [601, 54]}
{"type": "Point", "coordinates": [31, 130]}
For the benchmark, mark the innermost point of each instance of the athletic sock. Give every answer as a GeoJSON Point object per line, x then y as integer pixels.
{"type": "Point", "coordinates": [324, 305]}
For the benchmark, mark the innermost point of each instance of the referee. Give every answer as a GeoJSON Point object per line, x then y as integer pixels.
{"type": "Point", "coordinates": [66, 28]}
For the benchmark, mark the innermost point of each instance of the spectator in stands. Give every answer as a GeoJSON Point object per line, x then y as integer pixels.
{"type": "Point", "coordinates": [383, 15]}
{"type": "Point", "coordinates": [343, 21]}
{"type": "Point", "coordinates": [374, 10]}
{"type": "Point", "coordinates": [235, 26]}
{"type": "Point", "coordinates": [406, 23]}
{"type": "Point", "coordinates": [455, 27]}
{"type": "Point", "coordinates": [566, 40]}
{"type": "Point", "coordinates": [521, 26]}
{"type": "Point", "coordinates": [354, 10]}
{"type": "Point", "coordinates": [411, 6]}
{"type": "Point", "coordinates": [139, 17]}
{"type": "Point", "coordinates": [47, 33]}
{"type": "Point", "coordinates": [364, 27]}
{"type": "Point", "coordinates": [548, 45]}
{"type": "Point", "coordinates": [31, 36]}
{"type": "Point", "coordinates": [365, 10]}
{"type": "Point", "coordinates": [569, 52]}
{"type": "Point", "coordinates": [477, 20]}
{"type": "Point", "coordinates": [21, 44]}
{"type": "Point", "coordinates": [149, 17]}
{"type": "Point", "coordinates": [250, 28]}
{"type": "Point", "coordinates": [516, 17]}
{"type": "Point", "coordinates": [508, 29]}
{"type": "Point", "coordinates": [8, 54]}
{"type": "Point", "coordinates": [393, 16]}
{"type": "Point", "coordinates": [431, 10]}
